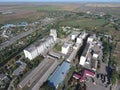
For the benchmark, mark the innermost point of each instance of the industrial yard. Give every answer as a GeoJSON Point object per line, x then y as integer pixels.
{"type": "Point", "coordinates": [59, 46]}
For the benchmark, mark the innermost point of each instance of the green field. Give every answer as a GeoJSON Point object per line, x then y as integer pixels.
{"type": "Point", "coordinates": [42, 8]}
{"type": "Point", "coordinates": [85, 22]}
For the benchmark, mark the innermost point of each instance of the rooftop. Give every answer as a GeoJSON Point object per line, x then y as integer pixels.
{"type": "Point", "coordinates": [54, 54]}
{"type": "Point", "coordinates": [58, 76]}
{"type": "Point", "coordinates": [86, 72]}
{"type": "Point", "coordinates": [38, 43]}
{"type": "Point", "coordinates": [2, 76]}
{"type": "Point", "coordinates": [31, 48]}
{"type": "Point", "coordinates": [47, 65]}
{"type": "Point", "coordinates": [19, 69]}
{"type": "Point", "coordinates": [76, 75]}
{"type": "Point", "coordinates": [86, 49]}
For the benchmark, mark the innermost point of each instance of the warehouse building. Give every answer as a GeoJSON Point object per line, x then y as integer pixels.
{"type": "Point", "coordinates": [31, 52]}
{"type": "Point", "coordinates": [65, 48]}
{"type": "Point", "coordinates": [35, 79]}
{"type": "Point", "coordinates": [84, 55]}
{"type": "Point", "coordinates": [39, 47]}
{"type": "Point", "coordinates": [58, 76]}
{"type": "Point", "coordinates": [74, 35]}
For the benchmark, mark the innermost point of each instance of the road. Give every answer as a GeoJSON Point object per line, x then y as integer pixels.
{"type": "Point", "coordinates": [11, 85]}
{"type": "Point", "coordinates": [14, 39]}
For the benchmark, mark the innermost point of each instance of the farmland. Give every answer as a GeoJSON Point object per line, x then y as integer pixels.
{"type": "Point", "coordinates": [84, 22]}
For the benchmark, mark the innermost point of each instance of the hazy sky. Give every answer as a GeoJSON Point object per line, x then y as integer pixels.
{"type": "Point", "coordinates": [59, 0]}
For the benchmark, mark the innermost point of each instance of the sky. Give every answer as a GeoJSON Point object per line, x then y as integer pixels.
{"type": "Point", "coordinates": [59, 0]}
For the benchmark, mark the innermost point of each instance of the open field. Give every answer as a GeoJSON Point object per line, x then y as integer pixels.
{"type": "Point", "coordinates": [21, 15]}
{"type": "Point", "coordinates": [116, 54]}
{"type": "Point", "coordinates": [30, 12]}
{"type": "Point", "coordinates": [33, 11]}
{"type": "Point", "coordinates": [84, 22]}
{"type": "Point", "coordinates": [42, 8]}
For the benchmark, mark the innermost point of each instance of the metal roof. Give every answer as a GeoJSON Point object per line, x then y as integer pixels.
{"type": "Point", "coordinates": [58, 76]}
{"type": "Point", "coordinates": [86, 49]}
{"type": "Point", "coordinates": [38, 75]}
{"type": "Point", "coordinates": [33, 47]}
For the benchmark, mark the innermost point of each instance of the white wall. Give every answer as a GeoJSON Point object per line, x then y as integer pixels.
{"type": "Point", "coordinates": [54, 34]}
{"type": "Point", "coordinates": [90, 40]}
{"type": "Point", "coordinates": [95, 55]}
{"type": "Point", "coordinates": [79, 40]}
{"type": "Point", "coordinates": [82, 60]}
{"type": "Point", "coordinates": [30, 55]}
{"type": "Point", "coordinates": [73, 37]}
{"type": "Point", "coordinates": [65, 48]}
{"type": "Point", "coordinates": [39, 49]}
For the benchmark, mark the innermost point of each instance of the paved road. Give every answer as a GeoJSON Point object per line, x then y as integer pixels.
{"type": "Point", "coordinates": [14, 39]}
{"type": "Point", "coordinates": [99, 86]}
{"type": "Point", "coordinates": [11, 85]}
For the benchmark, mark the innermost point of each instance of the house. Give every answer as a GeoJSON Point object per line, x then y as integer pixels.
{"type": "Point", "coordinates": [22, 24]}
{"type": "Point", "coordinates": [85, 73]}
{"type": "Point", "coordinates": [2, 76]}
{"type": "Point", "coordinates": [8, 26]}
{"type": "Point", "coordinates": [58, 76]}
{"type": "Point", "coordinates": [20, 69]}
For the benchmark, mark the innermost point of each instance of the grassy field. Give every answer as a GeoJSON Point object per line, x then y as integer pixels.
{"type": "Point", "coordinates": [42, 8]}
{"type": "Point", "coordinates": [22, 15]}
{"type": "Point", "coordinates": [85, 22]}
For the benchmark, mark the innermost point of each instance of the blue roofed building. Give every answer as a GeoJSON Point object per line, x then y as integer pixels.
{"type": "Point", "coordinates": [23, 24]}
{"type": "Point", "coordinates": [59, 75]}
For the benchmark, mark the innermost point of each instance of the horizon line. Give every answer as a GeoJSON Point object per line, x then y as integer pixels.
{"type": "Point", "coordinates": [60, 1]}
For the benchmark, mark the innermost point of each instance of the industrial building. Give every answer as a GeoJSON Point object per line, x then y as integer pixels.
{"type": "Point", "coordinates": [58, 76]}
{"type": "Point", "coordinates": [81, 37]}
{"type": "Point", "coordinates": [76, 48]}
{"type": "Point", "coordinates": [84, 55]}
{"type": "Point", "coordinates": [90, 39]}
{"type": "Point", "coordinates": [65, 48]}
{"type": "Point", "coordinates": [92, 53]}
{"type": "Point", "coordinates": [35, 79]}
{"type": "Point", "coordinates": [74, 35]}
{"type": "Point", "coordinates": [31, 52]}
{"type": "Point", "coordinates": [53, 33]}
{"type": "Point", "coordinates": [39, 47]}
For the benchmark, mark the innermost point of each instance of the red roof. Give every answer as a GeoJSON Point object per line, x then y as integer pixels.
{"type": "Point", "coordinates": [76, 76]}
{"type": "Point", "coordinates": [86, 73]}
